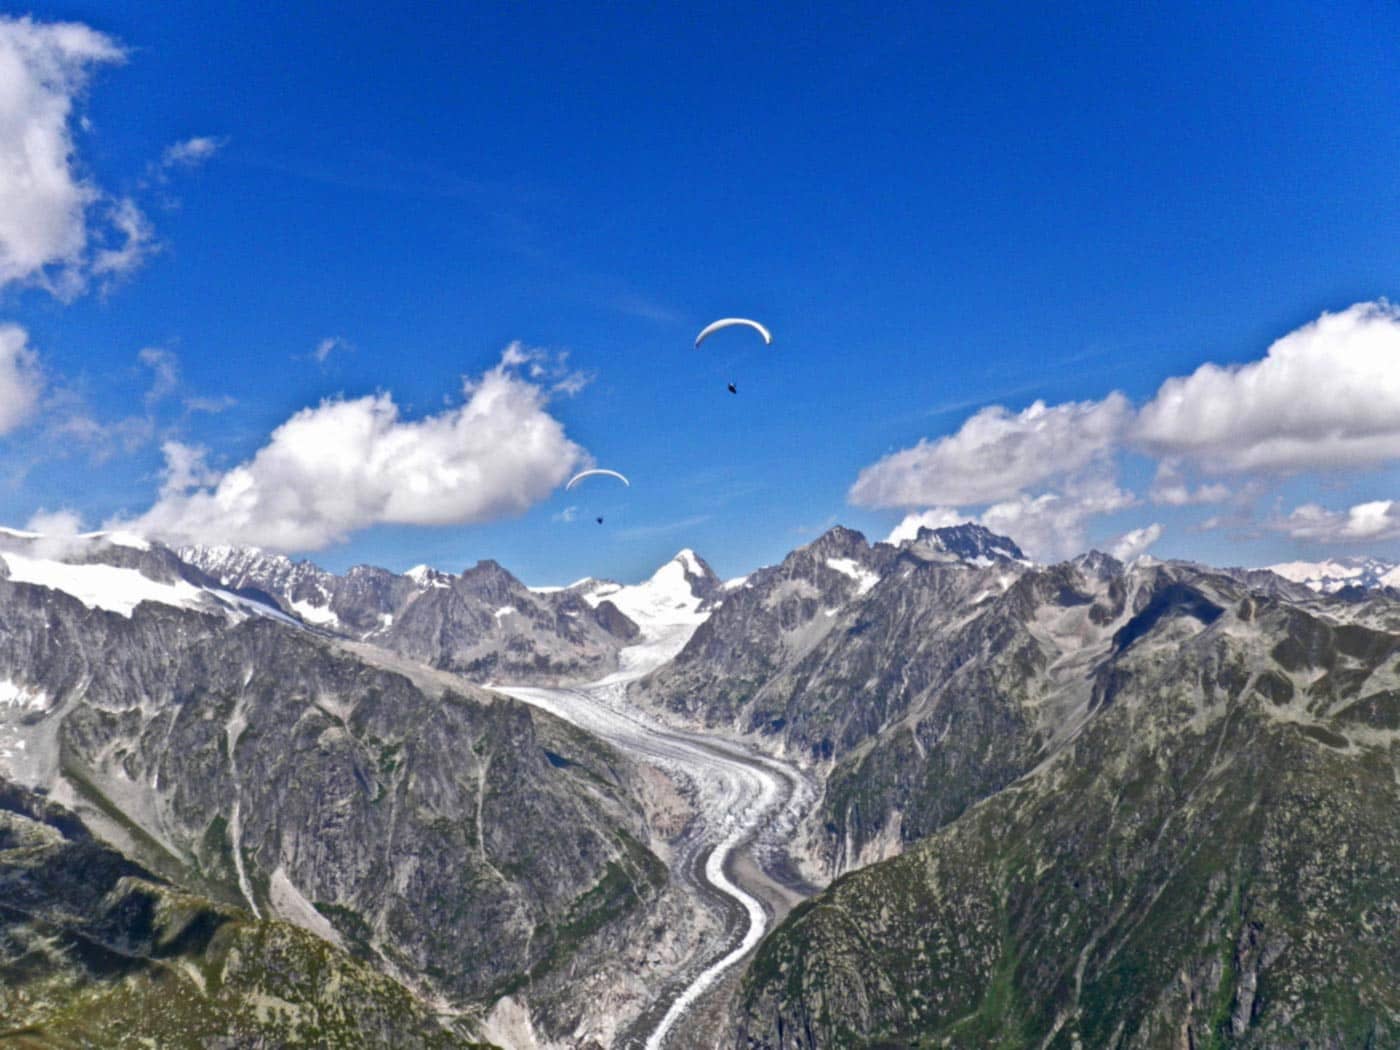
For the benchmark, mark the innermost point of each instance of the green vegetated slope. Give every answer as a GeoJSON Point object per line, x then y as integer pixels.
{"type": "Point", "coordinates": [96, 951]}
{"type": "Point", "coordinates": [1212, 859]}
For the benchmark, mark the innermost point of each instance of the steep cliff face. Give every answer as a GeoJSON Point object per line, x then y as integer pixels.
{"type": "Point", "coordinates": [1199, 850]}
{"type": "Point", "coordinates": [765, 622]}
{"type": "Point", "coordinates": [459, 841]}
{"type": "Point", "coordinates": [97, 951]}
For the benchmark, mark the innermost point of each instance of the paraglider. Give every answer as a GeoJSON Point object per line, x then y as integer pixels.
{"type": "Point", "coordinates": [733, 389]}
{"type": "Point", "coordinates": [593, 474]}
{"type": "Point", "coordinates": [600, 521]}
{"type": "Point", "coordinates": [729, 322]}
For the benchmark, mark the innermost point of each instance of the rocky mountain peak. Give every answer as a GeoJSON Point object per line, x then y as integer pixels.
{"type": "Point", "coordinates": [970, 542]}
{"type": "Point", "coordinates": [839, 542]}
{"type": "Point", "coordinates": [1099, 565]}
{"type": "Point", "coordinates": [489, 579]}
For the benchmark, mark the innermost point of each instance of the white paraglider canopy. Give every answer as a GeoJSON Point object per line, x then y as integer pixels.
{"type": "Point", "coordinates": [593, 474]}
{"type": "Point", "coordinates": [730, 322]}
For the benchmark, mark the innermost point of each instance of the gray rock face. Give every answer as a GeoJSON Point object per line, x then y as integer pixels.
{"type": "Point", "coordinates": [969, 542]}
{"type": "Point", "coordinates": [457, 840]}
{"type": "Point", "coordinates": [1194, 842]}
{"type": "Point", "coordinates": [771, 621]}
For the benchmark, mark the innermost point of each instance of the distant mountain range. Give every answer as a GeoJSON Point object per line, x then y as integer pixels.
{"type": "Point", "coordinates": [1335, 574]}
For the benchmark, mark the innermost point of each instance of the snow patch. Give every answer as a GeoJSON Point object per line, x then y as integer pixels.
{"type": "Point", "coordinates": [865, 579]}
{"type": "Point", "coordinates": [427, 576]}
{"type": "Point", "coordinates": [119, 538]}
{"type": "Point", "coordinates": [504, 611]}
{"type": "Point", "coordinates": [320, 615]}
{"type": "Point", "coordinates": [102, 586]}
{"type": "Point", "coordinates": [12, 694]}
{"type": "Point", "coordinates": [556, 590]}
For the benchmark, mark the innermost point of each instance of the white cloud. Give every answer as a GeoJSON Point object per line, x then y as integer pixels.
{"type": "Point", "coordinates": [1171, 488]}
{"type": "Point", "coordinates": [211, 405]}
{"type": "Point", "coordinates": [1133, 544]}
{"type": "Point", "coordinates": [101, 440]}
{"type": "Point", "coordinates": [1376, 520]}
{"type": "Point", "coordinates": [1053, 525]}
{"type": "Point", "coordinates": [346, 465]}
{"type": "Point", "coordinates": [185, 468]}
{"type": "Point", "coordinates": [137, 241]}
{"type": "Point", "coordinates": [1048, 526]}
{"type": "Point", "coordinates": [165, 372]}
{"type": "Point", "coordinates": [935, 518]}
{"type": "Point", "coordinates": [192, 152]}
{"type": "Point", "coordinates": [1326, 395]}
{"type": "Point", "coordinates": [547, 367]}
{"type": "Point", "coordinates": [59, 532]}
{"type": "Point", "coordinates": [327, 346]}
{"type": "Point", "coordinates": [569, 513]}
{"type": "Point", "coordinates": [21, 381]}
{"type": "Point", "coordinates": [996, 455]}
{"type": "Point", "coordinates": [44, 201]}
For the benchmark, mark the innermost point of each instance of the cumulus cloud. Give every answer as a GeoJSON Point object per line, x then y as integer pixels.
{"type": "Point", "coordinates": [185, 468]}
{"type": "Point", "coordinates": [996, 455]}
{"type": "Point", "coordinates": [1133, 544]}
{"type": "Point", "coordinates": [1326, 395]}
{"type": "Point", "coordinates": [1048, 526]}
{"type": "Point", "coordinates": [1376, 520]}
{"type": "Point", "coordinates": [349, 464]}
{"type": "Point", "coordinates": [44, 201]}
{"type": "Point", "coordinates": [21, 382]}
{"type": "Point", "coordinates": [54, 523]}
{"type": "Point", "coordinates": [1054, 525]}
{"type": "Point", "coordinates": [59, 534]}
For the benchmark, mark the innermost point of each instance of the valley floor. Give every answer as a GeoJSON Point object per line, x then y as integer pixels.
{"type": "Point", "coordinates": [730, 859]}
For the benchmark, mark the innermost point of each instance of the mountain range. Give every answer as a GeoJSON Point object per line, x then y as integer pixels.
{"type": "Point", "coordinates": [1083, 804]}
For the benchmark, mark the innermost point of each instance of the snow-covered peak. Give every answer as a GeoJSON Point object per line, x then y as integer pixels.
{"type": "Point", "coordinates": [427, 576]}
{"type": "Point", "coordinates": [1332, 574]}
{"type": "Point", "coordinates": [236, 566]}
{"type": "Point", "coordinates": [666, 608]}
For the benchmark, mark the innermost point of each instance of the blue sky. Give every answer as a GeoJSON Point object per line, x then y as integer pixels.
{"type": "Point", "coordinates": [933, 211]}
